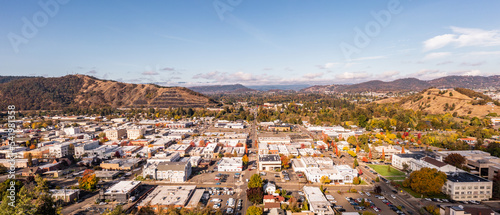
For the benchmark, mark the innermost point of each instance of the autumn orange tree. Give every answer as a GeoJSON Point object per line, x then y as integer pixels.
{"type": "Point", "coordinates": [285, 162]}
{"type": "Point", "coordinates": [88, 181]}
{"type": "Point", "coordinates": [426, 181]}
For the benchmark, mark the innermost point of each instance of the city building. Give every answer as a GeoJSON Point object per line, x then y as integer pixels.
{"type": "Point", "coordinates": [72, 131]}
{"type": "Point", "coordinates": [120, 164]}
{"type": "Point", "coordinates": [210, 151]}
{"type": "Point", "coordinates": [233, 164]}
{"type": "Point", "coordinates": [173, 171]}
{"type": "Point", "coordinates": [135, 132]}
{"type": "Point", "coordinates": [479, 162]}
{"type": "Point", "coordinates": [116, 133]}
{"type": "Point", "coordinates": [82, 148]}
{"type": "Point", "coordinates": [463, 186]}
{"type": "Point", "coordinates": [59, 150]}
{"type": "Point", "coordinates": [460, 210]}
{"type": "Point", "coordinates": [416, 165]}
{"type": "Point", "coordinates": [269, 162]}
{"type": "Point", "coordinates": [164, 196]}
{"type": "Point", "coordinates": [66, 195]}
{"type": "Point", "coordinates": [121, 191]}
{"type": "Point", "coordinates": [168, 171]}
{"type": "Point", "coordinates": [399, 159]}
{"type": "Point", "coordinates": [317, 201]}
{"type": "Point", "coordinates": [107, 175]}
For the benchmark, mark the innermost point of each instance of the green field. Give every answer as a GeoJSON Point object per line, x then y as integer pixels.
{"type": "Point", "coordinates": [395, 178]}
{"type": "Point", "coordinates": [382, 170]}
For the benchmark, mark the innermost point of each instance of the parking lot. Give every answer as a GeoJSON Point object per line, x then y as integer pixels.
{"type": "Point", "coordinates": [219, 199]}
{"type": "Point", "coordinates": [357, 199]}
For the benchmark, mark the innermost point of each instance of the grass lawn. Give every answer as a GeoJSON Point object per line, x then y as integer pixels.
{"type": "Point", "coordinates": [382, 170]}
{"type": "Point", "coordinates": [395, 178]}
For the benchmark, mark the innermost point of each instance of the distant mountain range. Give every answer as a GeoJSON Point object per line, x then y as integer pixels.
{"type": "Point", "coordinates": [217, 89]}
{"type": "Point", "coordinates": [79, 91]}
{"type": "Point", "coordinates": [410, 84]}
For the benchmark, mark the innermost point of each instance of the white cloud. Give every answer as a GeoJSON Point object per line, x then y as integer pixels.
{"type": "Point", "coordinates": [313, 75]}
{"type": "Point", "coordinates": [149, 73]}
{"type": "Point", "coordinates": [463, 37]}
{"type": "Point", "coordinates": [328, 65]}
{"type": "Point", "coordinates": [209, 75]}
{"type": "Point", "coordinates": [466, 73]}
{"type": "Point", "coordinates": [436, 55]}
{"type": "Point", "coordinates": [388, 75]}
{"type": "Point", "coordinates": [353, 75]}
{"type": "Point", "coordinates": [427, 74]}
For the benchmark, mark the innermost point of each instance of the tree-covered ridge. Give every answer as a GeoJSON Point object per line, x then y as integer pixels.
{"type": "Point", "coordinates": [75, 91]}
{"type": "Point", "coordinates": [40, 93]}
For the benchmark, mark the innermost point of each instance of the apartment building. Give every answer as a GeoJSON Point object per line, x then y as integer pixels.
{"type": "Point", "coordinates": [59, 150]}
{"type": "Point", "coordinates": [168, 171]}
{"type": "Point", "coordinates": [116, 133]}
{"type": "Point", "coordinates": [82, 148]}
{"type": "Point", "coordinates": [463, 186]}
{"type": "Point", "coordinates": [135, 132]}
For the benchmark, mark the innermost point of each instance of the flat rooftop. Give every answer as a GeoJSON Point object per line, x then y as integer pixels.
{"type": "Point", "coordinates": [269, 158]}
{"type": "Point", "coordinates": [63, 191]}
{"type": "Point", "coordinates": [169, 195]}
{"type": "Point", "coordinates": [464, 177]}
{"type": "Point", "coordinates": [122, 187]}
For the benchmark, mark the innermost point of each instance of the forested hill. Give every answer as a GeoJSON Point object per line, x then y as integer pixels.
{"type": "Point", "coordinates": [411, 84]}
{"type": "Point", "coordinates": [215, 89]}
{"type": "Point", "coordinates": [40, 93]}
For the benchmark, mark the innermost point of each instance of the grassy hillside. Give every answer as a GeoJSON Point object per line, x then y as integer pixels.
{"type": "Point", "coordinates": [438, 102]}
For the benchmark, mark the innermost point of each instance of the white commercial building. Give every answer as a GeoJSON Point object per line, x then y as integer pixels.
{"type": "Point", "coordinates": [116, 133]}
{"type": "Point", "coordinates": [135, 132]}
{"type": "Point", "coordinates": [82, 148]}
{"type": "Point", "coordinates": [463, 186]}
{"type": "Point", "coordinates": [59, 150]}
{"type": "Point", "coordinates": [234, 164]}
{"type": "Point", "coordinates": [318, 203]}
{"type": "Point", "coordinates": [269, 162]}
{"type": "Point", "coordinates": [72, 130]}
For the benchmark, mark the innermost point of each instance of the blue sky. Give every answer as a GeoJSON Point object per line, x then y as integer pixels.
{"type": "Point", "coordinates": [252, 42]}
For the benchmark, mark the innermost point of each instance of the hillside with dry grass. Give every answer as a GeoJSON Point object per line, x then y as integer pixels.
{"type": "Point", "coordinates": [84, 91]}
{"type": "Point", "coordinates": [437, 101]}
